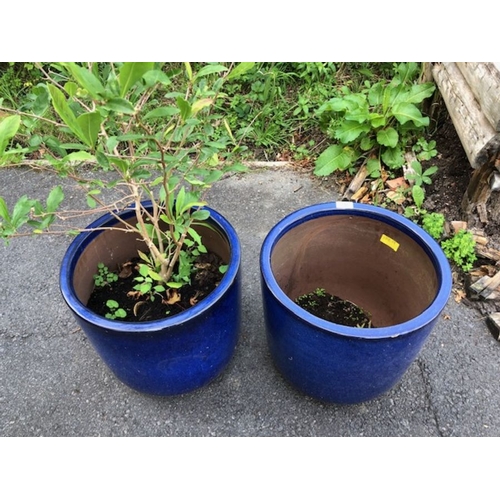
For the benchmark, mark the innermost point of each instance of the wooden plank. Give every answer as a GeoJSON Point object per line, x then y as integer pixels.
{"type": "Point", "coordinates": [488, 253]}
{"type": "Point", "coordinates": [356, 183]}
{"type": "Point", "coordinates": [485, 286]}
{"type": "Point", "coordinates": [491, 286]}
{"type": "Point", "coordinates": [484, 81]}
{"type": "Point", "coordinates": [493, 322]}
{"type": "Point", "coordinates": [478, 137]}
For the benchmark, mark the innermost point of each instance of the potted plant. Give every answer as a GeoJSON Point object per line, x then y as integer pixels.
{"type": "Point", "coordinates": [144, 142]}
{"type": "Point", "coordinates": [370, 257]}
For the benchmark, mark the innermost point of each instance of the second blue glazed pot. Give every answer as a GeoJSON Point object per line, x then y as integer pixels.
{"type": "Point", "coordinates": [166, 357]}
{"type": "Point", "coordinates": [371, 256]}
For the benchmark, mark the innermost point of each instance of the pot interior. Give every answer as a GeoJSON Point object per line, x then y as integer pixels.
{"type": "Point", "coordinates": [114, 247]}
{"type": "Point", "coordinates": [367, 261]}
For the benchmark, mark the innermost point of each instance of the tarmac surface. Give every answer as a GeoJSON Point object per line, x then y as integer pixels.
{"type": "Point", "coordinates": [53, 383]}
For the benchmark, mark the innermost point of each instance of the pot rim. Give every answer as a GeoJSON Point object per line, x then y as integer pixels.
{"type": "Point", "coordinates": [74, 250]}
{"type": "Point", "coordinates": [428, 244]}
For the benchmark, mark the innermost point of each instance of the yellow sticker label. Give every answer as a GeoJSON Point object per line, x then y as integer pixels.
{"type": "Point", "coordinates": [389, 242]}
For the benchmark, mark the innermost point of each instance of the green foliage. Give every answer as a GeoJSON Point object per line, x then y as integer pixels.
{"type": "Point", "coordinates": [460, 249]}
{"type": "Point", "coordinates": [271, 106]}
{"type": "Point", "coordinates": [115, 311]}
{"type": "Point", "coordinates": [419, 178]}
{"type": "Point", "coordinates": [424, 150]}
{"type": "Point", "coordinates": [16, 80]}
{"type": "Point", "coordinates": [378, 123]}
{"type": "Point", "coordinates": [155, 125]}
{"type": "Point", "coordinates": [433, 223]}
{"type": "Point", "coordinates": [104, 276]}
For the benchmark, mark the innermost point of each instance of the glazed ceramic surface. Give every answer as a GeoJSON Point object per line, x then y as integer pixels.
{"type": "Point", "coordinates": [381, 261]}
{"type": "Point", "coordinates": [165, 357]}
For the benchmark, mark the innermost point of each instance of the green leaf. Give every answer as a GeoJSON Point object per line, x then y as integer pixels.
{"type": "Point", "coordinates": [156, 76]}
{"type": "Point", "coordinates": [173, 284]}
{"type": "Point", "coordinates": [20, 213]}
{"type": "Point", "coordinates": [123, 165]}
{"type": "Point", "coordinates": [82, 156]}
{"type": "Point", "coordinates": [388, 137]}
{"type": "Point", "coordinates": [404, 112]}
{"type": "Point", "coordinates": [366, 143]}
{"type": "Point", "coordinates": [91, 203]}
{"type": "Point", "coordinates": [112, 304]}
{"type": "Point", "coordinates": [393, 157]}
{"type": "Point", "coordinates": [240, 69]}
{"type": "Point", "coordinates": [64, 111]}
{"type": "Point", "coordinates": [144, 270]}
{"type": "Point", "coordinates": [86, 79]}
{"type": "Point", "coordinates": [119, 105]}
{"type": "Point", "coordinates": [430, 171]}
{"type": "Point", "coordinates": [333, 158]}
{"type": "Point", "coordinates": [194, 234]}
{"type": "Point", "coordinates": [102, 160]}
{"type": "Point", "coordinates": [189, 71]}
{"type": "Point", "coordinates": [162, 112]}
{"type": "Point", "coordinates": [179, 201]}
{"type": "Point", "coordinates": [374, 168]}
{"type": "Point", "coordinates": [4, 210]}
{"type": "Point", "coordinates": [56, 196]}
{"type": "Point", "coordinates": [209, 70]}
{"type": "Point", "coordinates": [418, 195]}
{"type": "Point", "coordinates": [377, 120]}
{"type": "Point", "coordinates": [184, 107]}
{"type": "Point", "coordinates": [130, 73]}
{"type": "Point", "coordinates": [8, 129]}
{"type": "Point", "coordinates": [417, 167]}
{"type": "Point", "coordinates": [54, 145]}
{"type": "Point", "coordinates": [349, 131]}
{"type": "Point", "coordinates": [419, 92]}
{"type": "Point", "coordinates": [120, 313]}
{"type": "Point", "coordinates": [42, 100]}
{"type": "Point", "coordinates": [90, 124]}
{"type": "Point", "coordinates": [154, 275]}
{"type": "Point", "coordinates": [71, 88]}
{"type": "Point", "coordinates": [375, 94]}
{"type": "Point", "coordinates": [336, 104]}
{"type": "Point", "coordinates": [200, 215]}
{"type": "Point", "coordinates": [358, 110]}
{"type": "Point", "coordinates": [200, 104]}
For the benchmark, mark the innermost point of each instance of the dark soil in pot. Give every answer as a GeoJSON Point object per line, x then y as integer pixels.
{"type": "Point", "coordinates": [166, 304]}
{"type": "Point", "coordinates": [334, 309]}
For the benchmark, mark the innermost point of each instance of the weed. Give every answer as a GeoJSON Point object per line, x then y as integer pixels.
{"type": "Point", "coordinates": [460, 249]}
{"type": "Point", "coordinates": [104, 276]}
{"type": "Point", "coordinates": [115, 311]}
{"type": "Point", "coordinates": [376, 124]}
{"type": "Point", "coordinates": [433, 223]}
{"type": "Point", "coordinates": [419, 178]}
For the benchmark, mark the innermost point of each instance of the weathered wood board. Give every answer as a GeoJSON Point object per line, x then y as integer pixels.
{"type": "Point", "coordinates": [484, 82]}
{"type": "Point", "coordinates": [479, 138]}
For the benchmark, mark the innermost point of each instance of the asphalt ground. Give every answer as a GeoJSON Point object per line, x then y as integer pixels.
{"type": "Point", "coordinates": [53, 383]}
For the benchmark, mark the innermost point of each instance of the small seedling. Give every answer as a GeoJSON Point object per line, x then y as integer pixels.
{"type": "Point", "coordinates": [115, 311]}
{"type": "Point", "coordinates": [424, 149]}
{"type": "Point", "coordinates": [103, 276]}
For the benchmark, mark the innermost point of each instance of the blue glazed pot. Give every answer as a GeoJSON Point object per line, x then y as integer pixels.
{"type": "Point", "coordinates": [371, 256]}
{"type": "Point", "coordinates": [165, 357]}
